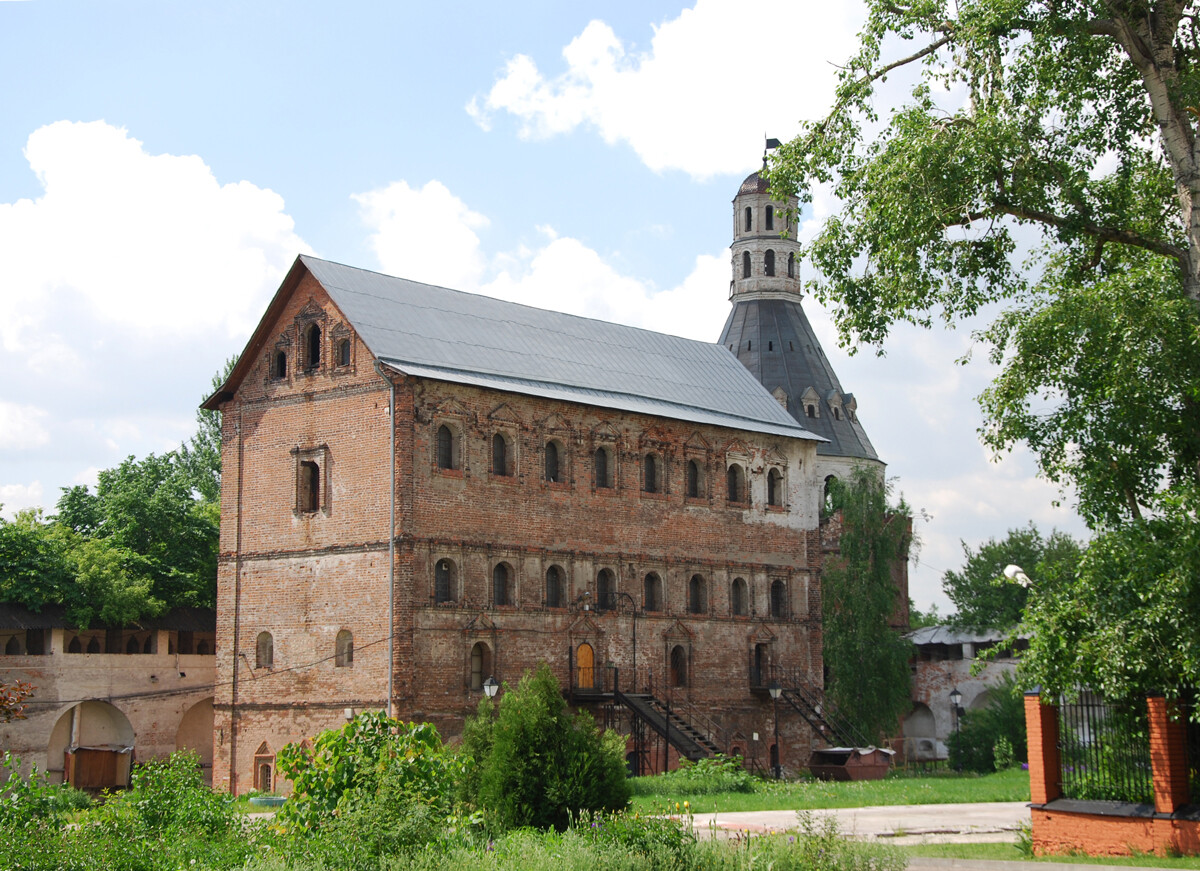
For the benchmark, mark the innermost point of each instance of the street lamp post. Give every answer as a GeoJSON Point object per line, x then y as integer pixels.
{"type": "Point", "coordinates": [775, 689]}
{"type": "Point", "coordinates": [490, 688]}
{"type": "Point", "coordinates": [955, 701]}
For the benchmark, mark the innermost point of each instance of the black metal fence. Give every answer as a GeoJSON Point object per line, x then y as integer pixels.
{"type": "Point", "coordinates": [1105, 750]}
{"type": "Point", "coordinates": [1187, 710]}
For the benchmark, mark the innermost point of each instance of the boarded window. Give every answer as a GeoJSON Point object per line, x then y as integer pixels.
{"type": "Point", "coordinates": [309, 486]}
{"type": "Point", "coordinates": [585, 667]}
{"type": "Point", "coordinates": [264, 651]}
{"type": "Point", "coordinates": [343, 650]}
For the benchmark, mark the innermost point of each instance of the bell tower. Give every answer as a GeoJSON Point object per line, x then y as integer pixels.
{"type": "Point", "coordinates": [765, 253]}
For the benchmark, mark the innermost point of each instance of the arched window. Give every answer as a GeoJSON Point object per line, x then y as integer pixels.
{"type": "Point", "coordinates": [13, 647]}
{"type": "Point", "coordinates": [309, 486]}
{"type": "Point", "coordinates": [501, 595]}
{"type": "Point", "coordinates": [774, 488]}
{"type": "Point", "coordinates": [499, 455]}
{"type": "Point", "coordinates": [75, 646]}
{"type": "Point", "coordinates": [738, 598]}
{"type": "Point", "coordinates": [606, 589]}
{"type": "Point", "coordinates": [202, 647]}
{"type": "Point", "coordinates": [827, 498]}
{"type": "Point", "coordinates": [264, 651]}
{"type": "Point", "coordinates": [93, 645]}
{"type": "Point", "coordinates": [769, 262]}
{"type": "Point", "coordinates": [745, 264]}
{"type": "Point", "coordinates": [554, 587]}
{"type": "Point", "coordinates": [652, 593]}
{"type": "Point", "coordinates": [148, 644]}
{"type": "Point", "coordinates": [650, 482]}
{"type": "Point", "coordinates": [279, 365]}
{"type": "Point", "coordinates": [553, 472]}
{"type": "Point", "coordinates": [810, 410]}
{"type": "Point", "coordinates": [445, 448]}
{"type": "Point", "coordinates": [770, 217]}
{"type": "Point", "coordinates": [749, 219]}
{"type": "Point", "coordinates": [343, 352]}
{"type": "Point", "coordinates": [481, 665]}
{"type": "Point", "coordinates": [735, 483]}
{"type": "Point", "coordinates": [693, 479]}
{"type": "Point", "coordinates": [678, 669]}
{"type": "Point", "coordinates": [778, 600]}
{"type": "Point", "coordinates": [264, 768]}
{"type": "Point", "coordinates": [603, 477]}
{"type": "Point", "coordinates": [443, 581]}
{"type": "Point", "coordinates": [343, 650]}
{"type": "Point", "coordinates": [696, 595]}
{"type": "Point", "coordinates": [312, 347]}
{"type": "Point", "coordinates": [791, 264]}
{"type": "Point", "coordinates": [131, 646]}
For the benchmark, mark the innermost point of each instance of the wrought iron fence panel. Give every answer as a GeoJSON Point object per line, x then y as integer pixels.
{"type": "Point", "coordinates": [1104, 748]}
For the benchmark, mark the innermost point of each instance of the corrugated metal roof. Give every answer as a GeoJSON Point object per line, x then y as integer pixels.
{"type": "Point", "coordinates": [947, 634]}
{"type": "Point", "coordinates": [466, 338]}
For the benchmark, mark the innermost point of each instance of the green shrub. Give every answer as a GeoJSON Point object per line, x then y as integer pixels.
{"type": "Point", "coordinates": [704, 777]}
{"type": "Point", "coordinates": [171, 793]}
{"type": "Point", "coordinates": [542, 763]}
{"type": "Point", "coordinates": [972, 747]}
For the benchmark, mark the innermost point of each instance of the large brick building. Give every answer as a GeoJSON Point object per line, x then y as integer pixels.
{"type": "Point", "coordinates": [424, 488]}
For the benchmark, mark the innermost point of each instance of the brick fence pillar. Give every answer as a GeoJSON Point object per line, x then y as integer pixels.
{"type": "Point", "coordinates": [1168, 755]}
{"type": "Point", "coordinates": [1041, 725]}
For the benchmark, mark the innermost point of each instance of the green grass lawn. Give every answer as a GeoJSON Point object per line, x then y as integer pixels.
{"type": "Point", "coordinates": [898, 788]}
{"type": "Point", "coordinates": [1011, 853]}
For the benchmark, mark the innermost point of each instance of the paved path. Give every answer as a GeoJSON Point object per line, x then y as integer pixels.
{"type": "Point", "coordinates": [899, 824]}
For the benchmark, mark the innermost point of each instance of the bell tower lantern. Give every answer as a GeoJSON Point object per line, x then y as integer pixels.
{"type": "Point", "coordinates": [766, 256]}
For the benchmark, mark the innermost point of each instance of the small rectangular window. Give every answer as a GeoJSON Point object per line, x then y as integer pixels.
{"type": "Point", "coordinates": [309, 486]}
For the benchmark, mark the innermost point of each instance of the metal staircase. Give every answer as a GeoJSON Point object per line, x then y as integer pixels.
{"type": "Point", "coordinates": [687, 740]}
{"type": "Point", "coordinates": [810, 705]}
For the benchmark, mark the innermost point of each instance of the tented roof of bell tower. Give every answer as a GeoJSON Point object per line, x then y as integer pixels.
{"type": "Point", "coordinates": [774, 340]}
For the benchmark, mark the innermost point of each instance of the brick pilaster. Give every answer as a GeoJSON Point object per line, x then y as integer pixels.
{"type": "Point", "coordinates": [1045, 771]}
{"type": "Point", "coordinates": [1168, 755]}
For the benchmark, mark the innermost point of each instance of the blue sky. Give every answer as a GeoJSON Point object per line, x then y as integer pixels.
{"type": "Point", "coordinates": [161, 165]}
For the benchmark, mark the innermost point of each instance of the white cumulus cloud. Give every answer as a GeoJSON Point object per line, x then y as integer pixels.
{"type": "Point", "coordinates": [21, 426]}
{"type": "Point", "coordinates": [700, 99]}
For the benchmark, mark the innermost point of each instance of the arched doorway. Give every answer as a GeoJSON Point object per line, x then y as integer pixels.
{"type": "Point", "coordinates": [196, 734]}
{"type": "Point", "coordinates": [94, 741]}
{"type": "Point", "coordinates": [585, 667]}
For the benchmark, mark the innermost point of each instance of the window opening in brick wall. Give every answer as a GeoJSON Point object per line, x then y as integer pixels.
{"type": "Point", "coordinates": [443, 581]}
{"type": "Point", "coordinates": [343, 352]}
{"type": "Point", "coordinates": [312, 347]}
{"type": "Point", "coordinates": [678, 666]}
{"type": "Point", "coordinates": [554, 587]}
{"type": "Point", "coordinates": [13, 647]}
{"type": "Point", "coordinates": [343, 649]}
{"type": "Point", "coordinates": [279, 366]}
{"type": "Point", "coordinates": [501, 594]}
{"type": "Point", "coordinates": [148, 644]}
{"type": "Point", "coordinates": [553, 470]}
{"type": "Point", "coordinates": [481, 665]}
{"type": "Point", "coordinates": [738, 597]}
{"type": "Point", "coordinates": [770, 217]}
{"type": "Point", "coordinates": [603, 476]}
{"type": "Point", "coordinates": [749, 218]}
{"type": "Point", "coordinates": [93, 645]}
{"type": "Point", "coordinates": [650, 482]}
{"type": "Point", "coordinates": [447, 455]}
{"type": "Point", "coordinates": [778, 600]}
{"type": "Point", "coordinates": [264, 768]}
{"type": "Point", "coordinates": [769, 263]}
{"type": "Point", "coordinates": [693, 479]}
{"type": "Point", "coordinates": [810, 410]}
{"type": "Point", "coordinates": [652, 593]}
{"type": "Point", "coordinates": [309, 486]}
{"type": "Point", "coordinates": [791, 266]}
{"type": "Point", "coordinates": [131, 646]}
{"type": "Point", "coordinates": [606, 590]}
{"type": "Point", "coordinates": [761, 660]}
{"type": "Point", "coordinates": [827, 496]}
{"type": "Point", "coordinates": [75, 646]}
{"type": "Point", "coordinates": [499, 455]}
{"type": "Point", "coordinates": [735, 483]}
{"type": "Point", "coordinates": [745, 264]}
{"type": "Point", "coordinates": [696, 595]}
{"type": "Point", "coordinates": [202, 648]}
{"type": "Point", "coordinates": [774, 488]}
{"type": "Point", "coordinates": [264, 651]}
{"type": "Point", "coordinates": [837, 413]}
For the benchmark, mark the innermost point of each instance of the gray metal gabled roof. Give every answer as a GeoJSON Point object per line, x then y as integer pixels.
{"type": "Point", "coordinates": [433, 332]}
{"type": "Point", "coordinates": [775, 342]}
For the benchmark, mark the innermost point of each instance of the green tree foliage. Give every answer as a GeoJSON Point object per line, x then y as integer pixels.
{"type": "Point", "coordinates": [347, 767]}
{"type": "Point", "coordinates": [1072, 125]}
{"type": "Point", "coordinates": [985, 599]}
{"type": "Point", "coordinates": [918, 619]}
{"type": "Point", "coordinates": [868, 679]}
{"type": "Point", "coordinates": [33, 562]}
{"type": "Point", "coordinates": [201, 454]}
{"type": "Point", "coordinates": [998, 725]}
{"type": "Point", "coordinates": [545, 763]}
